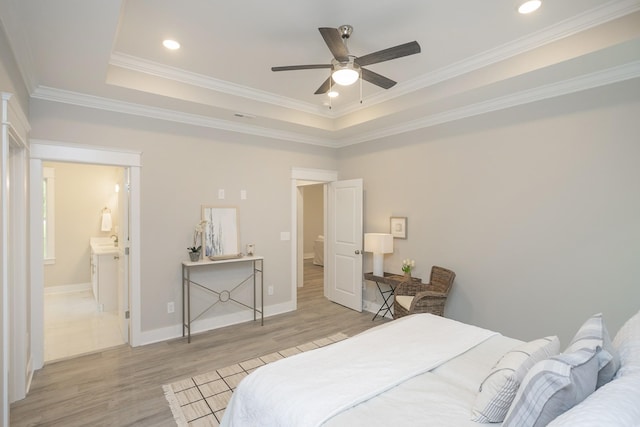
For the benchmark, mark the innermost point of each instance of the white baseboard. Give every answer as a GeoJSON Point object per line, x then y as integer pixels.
{"type": "Point", "coordinates": [203, 325]}
{"type": "Point", "coordinates": [309, 255]}
{"type": "Point", "coordinates": [64, 289]}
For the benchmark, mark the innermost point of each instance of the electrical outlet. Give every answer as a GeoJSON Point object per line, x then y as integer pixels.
{"type": "Point", "coordinates": [171, 307]}
{"type": "Point", "coordinates": [270, 290]}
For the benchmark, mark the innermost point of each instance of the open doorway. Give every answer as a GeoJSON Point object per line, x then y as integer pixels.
{"type": "Point", "coordinates": [129, 306]}
{"type": "Point", "coordinates": [82, 223]}
{"type": "Point", "coordinates": [311, 239]}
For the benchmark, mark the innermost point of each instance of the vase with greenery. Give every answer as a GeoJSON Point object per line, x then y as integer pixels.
{"type": "Point", "coordinates": [194, 252]}
{"type": "Point", "coordinates": [407, 266]}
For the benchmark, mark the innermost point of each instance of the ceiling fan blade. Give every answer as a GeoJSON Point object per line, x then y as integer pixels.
{"type": "Point", "coordinates": [388, 54]}
{"type": "Point", "coordinates": [324, 87]}
{"type": "Point", "coordinates": [300, 67]}
{"type": "Point", "coordinates": [377, 79]}
{"type": "Point", "coordinates": [333, 39]}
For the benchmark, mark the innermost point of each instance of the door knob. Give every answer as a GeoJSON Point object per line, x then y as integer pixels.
{"type": "Point", "coordinates": [357, 252]}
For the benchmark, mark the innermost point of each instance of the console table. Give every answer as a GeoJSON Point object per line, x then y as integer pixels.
{"type": "Point", "coordinates": [391, 280]}
{"type": "Point", "coordinates": [257, 264]}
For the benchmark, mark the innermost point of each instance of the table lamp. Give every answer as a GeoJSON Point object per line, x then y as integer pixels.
{"type": "Point", "coordinates": [379, 244]}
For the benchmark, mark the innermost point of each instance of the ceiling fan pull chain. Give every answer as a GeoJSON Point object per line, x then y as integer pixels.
{"type": "Point", "coordinates": [360, 86]}
{"type": "Point", "coordinates": [330, 99]}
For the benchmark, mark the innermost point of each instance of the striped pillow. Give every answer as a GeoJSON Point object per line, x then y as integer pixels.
{"type": "Point", "coordinates": [552, 387]}
{"type": "Point", "coordinates": [499, 387]}
{"type": "Point", "coordinates": [593, 334]}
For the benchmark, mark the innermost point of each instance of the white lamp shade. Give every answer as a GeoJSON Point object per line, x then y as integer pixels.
{"type": "Point", "coordinates": [378, 243]}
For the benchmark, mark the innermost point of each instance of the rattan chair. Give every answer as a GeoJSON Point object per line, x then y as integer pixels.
{"type": "Point", "coordinates": [414, 297]}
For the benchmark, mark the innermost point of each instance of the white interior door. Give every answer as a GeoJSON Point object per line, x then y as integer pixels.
{"type": "Point", "coordinates": [123, 261]}
{"type": "Point", "coordinates": [344, 240]}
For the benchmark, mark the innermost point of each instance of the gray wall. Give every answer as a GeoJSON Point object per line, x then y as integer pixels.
{"type": "Point", "coordinates": [183, 168]}
{"type": "Point", "coordinates": [537, 209]}
{"type": "Point", "coordinates": [10, 79]}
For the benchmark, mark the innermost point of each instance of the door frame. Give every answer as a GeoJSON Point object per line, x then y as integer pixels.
{"type": "Point", "coordinates": [304, 174]}
{"type": "Point", "coordinates": [14, 269]}
{"type": "Point", "coordinates": [43, 150]}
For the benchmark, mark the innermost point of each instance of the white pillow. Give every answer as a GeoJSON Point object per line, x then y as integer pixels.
{"type": "Point", "coordinates": [593, 334]}
{"type": "Point", "coordinates": [552, 387]}
{"type": "Point", "coordinates": [499, 388]}
{"type": "Point", "coordinates": [613, 405]}
{"type": "Point", "coordinates": [627, 343]}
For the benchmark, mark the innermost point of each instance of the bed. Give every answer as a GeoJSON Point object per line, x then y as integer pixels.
{"type": "Point", "coordinates": [411, 372]}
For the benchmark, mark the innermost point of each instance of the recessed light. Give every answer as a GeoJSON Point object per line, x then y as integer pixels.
{"type": "Point", "coordinates": [171, 44]}
{"type": "Point", "coordinates": [529, 6]}
{"type": "Point", "coordinates": [332, 94]}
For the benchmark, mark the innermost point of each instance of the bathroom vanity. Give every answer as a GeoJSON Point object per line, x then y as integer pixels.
{"type": "Point", "coordinates": [104, 273]}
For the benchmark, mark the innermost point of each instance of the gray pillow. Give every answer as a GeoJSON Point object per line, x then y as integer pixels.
{"type": "Point", "coordinates": [499, 388]}
{"type": "Point", "coordinates": [593, 334]}
{"type": "Point", "coordinates": [552, 387]}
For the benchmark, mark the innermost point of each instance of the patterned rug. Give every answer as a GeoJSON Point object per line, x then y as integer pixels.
{"type": "Point", "coordinates": [200, 401]}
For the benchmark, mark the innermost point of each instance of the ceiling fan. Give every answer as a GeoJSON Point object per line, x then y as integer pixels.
{"type": "Point", "coordinates": [347, 68]}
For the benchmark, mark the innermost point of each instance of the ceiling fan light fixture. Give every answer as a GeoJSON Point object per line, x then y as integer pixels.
{"type": "Point", "coordinates": [529, 6]}
{"type": "Point", "coordinates": [345, 74]}
{"type": "Point", "coordinates": [333, 94]}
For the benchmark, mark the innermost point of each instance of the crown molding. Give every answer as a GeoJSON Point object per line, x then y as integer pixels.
{"type": "Point", "coordinates": [580, 83]}
{"type": "Point", "coordinates": [592, 18]}
{"type": "Point", "coordinates": [129, 62]}
{"type": "Point", "coordinates": [90, 101]}
{"type": "Point", "coordinates": [552, 90]}
{"type": "Point", "coordinates": [584, 21]}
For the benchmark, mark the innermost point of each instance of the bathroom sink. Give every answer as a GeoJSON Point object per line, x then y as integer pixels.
{"type": "Point", "coordinates": [101, 245]}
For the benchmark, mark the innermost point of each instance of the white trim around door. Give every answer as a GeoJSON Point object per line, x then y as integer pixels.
{"type": "Point", "coordinates": [303, 174]}
{"type": "Point", "coordinates": [42, 150]}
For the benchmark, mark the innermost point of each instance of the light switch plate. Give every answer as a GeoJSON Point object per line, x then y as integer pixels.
{"type": "Point", "coordinates": [243, 194]}
{"type": "Point", "coordinates": [285, 235]}
{"type": "Point", "coordinates": [221, 194]}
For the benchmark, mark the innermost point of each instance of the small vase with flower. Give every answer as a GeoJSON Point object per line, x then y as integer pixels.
{"type": "Point", "coordinates": [407, 266]}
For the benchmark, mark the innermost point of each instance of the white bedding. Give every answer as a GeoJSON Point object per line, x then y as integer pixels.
{"type": "Point", "coordinates": [441, 397]}
{"type": "Point", "coordinates": [311, 388]}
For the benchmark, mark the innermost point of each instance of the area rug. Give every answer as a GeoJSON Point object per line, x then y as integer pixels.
{"type": "Point", "coordinates": [201, 400]}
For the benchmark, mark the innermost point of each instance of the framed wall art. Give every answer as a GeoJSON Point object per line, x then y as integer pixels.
{"type": "Point", "coordinates": [399, 227]}
{"type": "Point", "coordinates": [221, 234]}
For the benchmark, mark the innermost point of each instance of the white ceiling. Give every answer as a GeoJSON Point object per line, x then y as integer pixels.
{"type": "Point", "coordinates": [477, 56]}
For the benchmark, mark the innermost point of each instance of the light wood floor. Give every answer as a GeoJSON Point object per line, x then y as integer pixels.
{"type": "Point", "coordinates": [122, 386]}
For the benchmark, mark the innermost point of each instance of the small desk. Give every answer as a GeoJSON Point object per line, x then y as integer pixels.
{"type": "Point", "coordinates": [391, 280]}
{"type": "Point", "coordinates": [222, 296]}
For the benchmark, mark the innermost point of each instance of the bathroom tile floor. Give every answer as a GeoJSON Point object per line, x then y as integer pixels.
{"type": "Point", "coordinates": [74, 326]}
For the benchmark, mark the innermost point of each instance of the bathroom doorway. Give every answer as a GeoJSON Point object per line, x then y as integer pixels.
{"type": "Point", "coordinates": [83, 217]}
{"type": "Point", "coordinates": [129, 305]}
